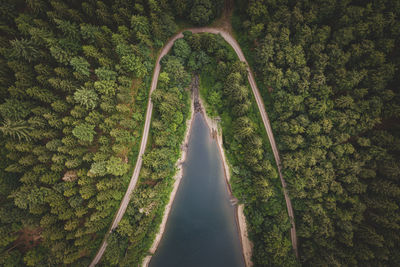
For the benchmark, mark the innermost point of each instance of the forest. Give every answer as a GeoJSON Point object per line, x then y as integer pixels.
{"type": "Point", "coordinates": [75, 77]}
{"type": "Point", "coordinates": [130, 242]}
{"type": "Point", "coordinates": [74, 87]}
{"type": "Point", "coordinates": [71, 123]}
{"type": "Point", "coordinates": [329, 73]}
{"type": "Point", "coordinates": [255, 181]}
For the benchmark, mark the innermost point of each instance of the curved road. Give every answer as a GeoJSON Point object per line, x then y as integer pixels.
{"type": "Point", "coordinates": [132, 184]}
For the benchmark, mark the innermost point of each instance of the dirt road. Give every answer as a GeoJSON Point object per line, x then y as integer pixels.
{"type": "Point", "coordinates": [132, 184]}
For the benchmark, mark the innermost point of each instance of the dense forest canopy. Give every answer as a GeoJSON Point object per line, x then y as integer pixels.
{"type": "Point", "coordinates": [332, 70]}
{"type": "Point", "coordinates": [74, 85]}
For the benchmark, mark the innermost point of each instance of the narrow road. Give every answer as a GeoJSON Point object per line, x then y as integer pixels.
{"type": "Point", "coordinates": [132, 184]}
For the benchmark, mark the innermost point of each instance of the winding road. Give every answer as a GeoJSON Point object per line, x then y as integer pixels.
{"type": "Point", "coordinates": [132, 184]}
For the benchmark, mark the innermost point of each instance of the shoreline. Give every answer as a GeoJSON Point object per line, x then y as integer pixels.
{"type": "Point", "coordinates": [240, 219]}
{"type": "Point", "coordinates": [132, 184]}
{"type": "Point", "coordinates": [178, 177]}
{"type": "Point", "coordinates": [247, 246]}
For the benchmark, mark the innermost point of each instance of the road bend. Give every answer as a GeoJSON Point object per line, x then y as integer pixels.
{"type": "Point", "coordinates": [260, 104]}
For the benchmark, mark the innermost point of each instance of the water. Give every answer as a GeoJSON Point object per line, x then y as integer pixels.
{"type": "Point", "coordinates": [201, 229]}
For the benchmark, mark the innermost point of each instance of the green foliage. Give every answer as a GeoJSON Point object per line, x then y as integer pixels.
{"type": "Point", "coordinates": [24, 49]}
{"type": "Point", "coordinates": [63, 84]}
{"type": "Point", "coordinates": [328, 79]}
{"type": "Point", "coordinates": [140, 26]}
{"type": "Point", "coordinates": [246, 145]}
{"type": "Point", "coordinates": [116, 167]}
{"type": "Point", "coordinates": [180, 7]}
{"type": "Point", "coordinates": [86, 97]}
{"type": "Point", "coordinates": [132, 63]}
{"type": "Point", "coordinates": [69, 29]}
{"type": "Point", "coordinates": [328, 72]}
{"type": "Point", "coordinates": [84, 132]}
{"type": "Point", "coordinates": [105, 87]}
{"type": "Point", "coordinates": [14, 109]}
{"type": "Point", "coordinates": [176, 71]}
{"type": "Point", "coordinates": [60, 55]}
{"type": "Point", "coordinates": [98, 168]}
{"type": "Point", "coordinates": [143, 216]}
{"type": "Point", "coordinates": [203, 12]}
{"type": "Point", "coordinates": [16, 129]}
{"type": "Point", "coordinates": [181, 49]}
{"type": "Point", "coordinates": [106, 74]}
{"type": "Point", "coordinates": [80, 65]}
{"type": "Point", "coordinates": [35, 257]}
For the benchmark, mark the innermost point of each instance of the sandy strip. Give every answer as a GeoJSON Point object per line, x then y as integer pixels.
{"type": "Point", "coordinates": [247, 245]}
{"type": "Point", "coordinates": [178, 178]}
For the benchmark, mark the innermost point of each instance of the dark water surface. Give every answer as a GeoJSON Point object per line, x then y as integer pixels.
{"type": "Point", "coordinates": [201, 229]}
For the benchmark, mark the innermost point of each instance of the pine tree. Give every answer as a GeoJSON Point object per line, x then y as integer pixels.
{"type": "Point", "coordinates": [84, 132]}
{"type": "Point", "coordinates": [80, 65]}
{"type": "Point", "coordinates": [24, 49]}
{"type": "Point", "coordinates": [16, 129]}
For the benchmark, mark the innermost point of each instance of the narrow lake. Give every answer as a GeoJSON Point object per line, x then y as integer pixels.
{"type": "Point", "coordinates": [201, 228]}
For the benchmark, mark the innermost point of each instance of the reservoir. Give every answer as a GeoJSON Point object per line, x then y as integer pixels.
{"type": "Point", "coordinates": [201, 229]}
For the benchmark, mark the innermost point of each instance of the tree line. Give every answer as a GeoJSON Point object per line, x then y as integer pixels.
{"type": "Point", "coordinates": [255, 180]}
{"type": "Point", "coordinates": [132, 239]}
{"type": "Point", "coordinates": [329, 72]}
{"type": "Point", "coordinates": [73, 92]}
{"type": "Point", "coordinates": [74, 85]}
